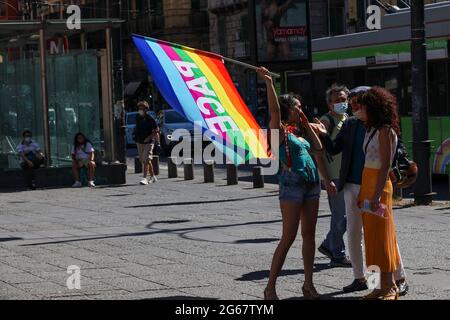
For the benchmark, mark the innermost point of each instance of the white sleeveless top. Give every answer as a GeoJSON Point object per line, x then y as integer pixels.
{"type": "Point", "coordinates": [373, 160]}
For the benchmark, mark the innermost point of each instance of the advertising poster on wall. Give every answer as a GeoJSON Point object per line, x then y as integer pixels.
{"type": "Point", "coordinates": [282, 32]}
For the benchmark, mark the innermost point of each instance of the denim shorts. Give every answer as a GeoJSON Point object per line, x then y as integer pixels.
{"type": "Point", "coordinates": [294, 188]}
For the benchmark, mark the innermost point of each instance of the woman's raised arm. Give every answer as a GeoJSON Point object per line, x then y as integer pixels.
{"type": "Point", "coordinates": [274, 106]}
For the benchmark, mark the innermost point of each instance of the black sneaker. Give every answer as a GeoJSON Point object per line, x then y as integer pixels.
{"type": "Point", "coordinates": [356, 286]}
{"type": "Point", "coordinates": [340, 263]}
{"type": "Point", "coordinates": [325, 251]}
{"type": "Point", "coordinates": [403, 287]}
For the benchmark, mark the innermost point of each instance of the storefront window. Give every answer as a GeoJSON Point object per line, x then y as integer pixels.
{"type": "Point", "coordinates": [20, 107]}
{"type": "Point", "coordinates": [74, 104]}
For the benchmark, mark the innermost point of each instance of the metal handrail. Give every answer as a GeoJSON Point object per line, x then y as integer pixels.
{"type": "Point", "coordinates": [10, 143]}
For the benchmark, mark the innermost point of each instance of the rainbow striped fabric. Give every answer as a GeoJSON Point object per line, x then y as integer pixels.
{"type": "Point", "coordinates": [196, 84]}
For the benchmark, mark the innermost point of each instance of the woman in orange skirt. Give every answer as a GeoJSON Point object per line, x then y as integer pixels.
{"type": "Point", "coordinates": [379, 113]}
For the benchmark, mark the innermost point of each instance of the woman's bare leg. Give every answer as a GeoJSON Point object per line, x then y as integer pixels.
{"type": "Point", "coordinates": [91, 171]}
{"type": "Point", "coordinates": [308, 228]}
{"type": "Point", "coordinates": [291, 215]}
{"type": "Point", "coordinates": [76, 171]}
{"type": "Point", "coordinates": [387, 280]}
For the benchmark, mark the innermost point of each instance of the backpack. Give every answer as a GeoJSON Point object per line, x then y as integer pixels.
{"type": "Point", "coordinates": [330, 132]}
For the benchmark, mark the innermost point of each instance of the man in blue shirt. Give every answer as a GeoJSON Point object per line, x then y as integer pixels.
{"type": "Point", "coordinates": [350, 142]}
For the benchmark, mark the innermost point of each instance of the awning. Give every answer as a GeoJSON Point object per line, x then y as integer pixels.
{"type": "Point", "coordinates": [12, 28]}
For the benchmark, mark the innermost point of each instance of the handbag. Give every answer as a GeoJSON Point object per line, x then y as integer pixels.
{"type": "Point", "coordinates": [404, 171]}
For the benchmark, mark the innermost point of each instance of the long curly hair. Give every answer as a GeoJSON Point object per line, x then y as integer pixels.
{"type": "Point", "coordinates": [381, 108]}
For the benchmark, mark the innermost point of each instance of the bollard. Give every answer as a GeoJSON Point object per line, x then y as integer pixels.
{"type": "Point", "coordinates": [232, 175]}
{"type": "Point", "coordinates": [137, 165]}
{"type": "Point", "coordinates": [208, 171]}
{"type": "Point", "coordinates": [398, 193]}
{"type": "Point", "coordinates": [188, 169]}
{"type": "Point", "coordinates": [258, 178]}
{"type": "Point", "coordinates": [172, 167]}
{"type": "Point", "coordinates": [155, 164]}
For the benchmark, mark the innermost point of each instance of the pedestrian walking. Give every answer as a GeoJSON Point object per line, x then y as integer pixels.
{"type": "Point", "coordinates": [379, 113]}
{"type": "Point", "coordinates": [146, 135]}
{"type": "Point", "coordinates": [333, 246]}
{"type": "Point", "coordinates": [83, 157]}
{"type": "Point", "coordinates": [299, 183]}
{"type": "Point", "coordinates": [350, 142]}
{"type": "Point", "coordinates": [31, 158]}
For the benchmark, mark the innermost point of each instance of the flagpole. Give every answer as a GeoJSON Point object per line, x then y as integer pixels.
{"type": "Point", "coordinates": [248, 66]}
{"type": "Point", "coordinates": [240, 63]}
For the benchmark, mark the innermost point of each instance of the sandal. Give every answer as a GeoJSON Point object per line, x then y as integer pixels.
{"type": "Point", "coordinates": [383, 294]}
{"type": "Point", "coordinates": [374, 295]}
{"type": "Point", "coordinates": [391, 294]}
{"type": "Point", "coordinates": [270, 296]}
{"type": "Point", "coordinates": [310, 293]}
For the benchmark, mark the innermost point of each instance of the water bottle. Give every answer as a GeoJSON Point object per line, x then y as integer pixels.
{"type": "Point", "coordinates": [380, 212]}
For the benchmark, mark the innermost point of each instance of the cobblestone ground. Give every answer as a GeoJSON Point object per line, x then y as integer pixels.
{"type": "Point", "coordinates": [184, 239]}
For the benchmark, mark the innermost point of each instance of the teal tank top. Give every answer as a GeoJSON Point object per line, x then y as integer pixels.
{"type": "Point", "coordinates": [302, 162]}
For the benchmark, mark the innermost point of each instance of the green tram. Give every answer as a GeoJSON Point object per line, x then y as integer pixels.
{"type": "Point", "coordinates": [382, 57]}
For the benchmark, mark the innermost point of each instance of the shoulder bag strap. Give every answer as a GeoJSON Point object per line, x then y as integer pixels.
{"type": "Point", "coordinates": [370, 139]}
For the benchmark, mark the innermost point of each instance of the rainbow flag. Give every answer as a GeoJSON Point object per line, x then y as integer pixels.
{"type": "Point", "coordinates": [197, 85]}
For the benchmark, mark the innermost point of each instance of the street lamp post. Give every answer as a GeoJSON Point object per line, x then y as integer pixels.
{"type": "Point", "coordinates": [44, 92]}
{"type": "Point", "coordinates": [118, 87]}
{"type": "Point", "coordinates": [419, 78]}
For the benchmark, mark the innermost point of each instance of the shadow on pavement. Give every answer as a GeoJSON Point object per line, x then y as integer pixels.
{"type": "Point", "coordinates": [262, 240]}
{"type": "Point", "coordinates": [264, 274]}
{"type": "Point", "coordinates": [114, 186]}
{"type": "Point", "coordinates": [181, 232]}
{"type": "Point", "coordinates": [41, 188]}
{"type": "Point", "coordinates": [149, 226]}
{"type": "Point", "coordinates": [182, 298]}
{"type": "Point", "coordinates": [10, 239]}
{"type": "Point", "coordinates": [329, 296]}
{"type": "Point", "coordinates": [119, 195]}
{"type": "Point", "coordinates": [188, 203]}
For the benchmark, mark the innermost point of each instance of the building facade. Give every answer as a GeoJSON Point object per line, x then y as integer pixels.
{"type": "Point", "coordinates": [9, 9]}
{"type": "Point", "coordinates": [238, 30]}
{"type": "Point", "coordinates": [179, 21]}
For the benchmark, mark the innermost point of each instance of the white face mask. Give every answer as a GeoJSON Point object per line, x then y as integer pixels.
{"type": "Point", "coordinates": [341, 108]}
{"type": "Point", "coordinates": [142, 112]}
{"type": "Point", "coordinates": [27, 139]}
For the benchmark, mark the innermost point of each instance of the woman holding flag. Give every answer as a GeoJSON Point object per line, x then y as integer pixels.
{"type": "Point", "coordinates": [299, 183]}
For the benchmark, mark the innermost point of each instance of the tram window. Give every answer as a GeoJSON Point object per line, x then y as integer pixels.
{"type": "Point", "coordinates": [346, 77]}
{"type": "Point", "coordinates": [360, 77]}
{"type": "Point", "coordinates": [448, 87]}
{"type": "Point", "coordinates": [437, 95]}
{"type": "Point", "coordinates": [405, 90]}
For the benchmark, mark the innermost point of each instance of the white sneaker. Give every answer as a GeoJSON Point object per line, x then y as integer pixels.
{"type": "Point", "coordinates": [77, 185]}
{"type": "Point", "coordinates": [153, 180]}
{"type": "Point", "coordinates": [144, 182]}
{"type": "Point", "coordinates": [91, 184]}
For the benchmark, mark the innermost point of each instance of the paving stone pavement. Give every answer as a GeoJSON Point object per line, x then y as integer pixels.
{"type": "Point", "coordinates": [185, 239]}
